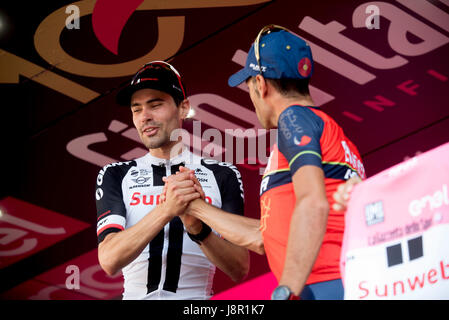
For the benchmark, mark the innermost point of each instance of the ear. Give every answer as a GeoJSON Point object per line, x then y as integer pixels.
{"type": "Point", "coordinates": [261, 85]}
{"type": "Point", "coordinates": [184, 108]}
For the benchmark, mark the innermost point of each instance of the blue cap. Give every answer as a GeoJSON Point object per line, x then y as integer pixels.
{"type": "Point", "coordinates": [282, 55]}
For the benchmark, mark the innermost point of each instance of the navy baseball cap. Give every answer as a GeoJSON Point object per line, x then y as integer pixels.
{"type": "Point", "coordinates": [276, 53]}
{"type": "Point", "coordinates": [158, 75]}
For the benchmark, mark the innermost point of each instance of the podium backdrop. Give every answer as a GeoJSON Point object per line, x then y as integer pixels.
{"type": "Point", "coordinates": [381, 71]}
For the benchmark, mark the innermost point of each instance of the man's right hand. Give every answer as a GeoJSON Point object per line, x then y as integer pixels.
{"type": "Point", "coordinates": [192, 224]}
{"type": "Point", "coordinates": [178, 191]}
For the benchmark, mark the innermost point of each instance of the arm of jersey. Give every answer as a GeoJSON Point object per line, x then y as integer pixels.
{"type": "Point", "coordinates": [228, 257]}
{"type": "Point", "coordinates": [119, 246]}
{"type": "Point", "coordinates": [299, 134]}
{"type": "Point", "coordinates": [299, 141]}
{"type": "Point", "coordinates": [229, 221]}
{"type": "Point", "coordinates": [231, 189]}
{"type": "Point", "coordinates": [111, 211]}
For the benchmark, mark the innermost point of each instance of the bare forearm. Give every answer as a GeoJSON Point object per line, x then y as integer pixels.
{"type": "Point", "coordinates": [229, 258]}
{"type": "Point", "coordinates": [119, 249]}
{"type": "Point", "coordinates": [241, 231]}
{"type": "Point", "coordinates": [307, 228]}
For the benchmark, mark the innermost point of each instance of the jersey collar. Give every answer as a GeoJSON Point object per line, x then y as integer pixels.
{"type": "Point", "coordinates": [185, 156]}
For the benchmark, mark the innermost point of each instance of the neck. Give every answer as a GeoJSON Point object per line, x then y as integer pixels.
{"type": "Point", "coordinates": [168, 151]}
{"type": "Point", "coordinates": [281, 103]}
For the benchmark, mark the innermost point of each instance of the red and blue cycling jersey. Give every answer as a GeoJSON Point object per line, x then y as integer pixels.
{"type": "Point", "coordinates": [306, 136]}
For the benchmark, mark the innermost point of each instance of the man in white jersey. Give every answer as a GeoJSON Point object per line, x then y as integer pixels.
{"type": "Point", "coordinates": [162, 252]}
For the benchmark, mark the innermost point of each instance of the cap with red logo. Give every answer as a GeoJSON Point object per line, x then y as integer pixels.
{"type": "Point", "coordinates": [276, 54]}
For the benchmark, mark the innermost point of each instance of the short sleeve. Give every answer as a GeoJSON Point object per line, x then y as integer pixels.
{"type": "Point", "coordinates": [231, 191]}
{"type": "Point", "coordinates": [111, 210]}
{"type": "Point", "coordinates": [230, 185]}
{"type": "Point", "coordinates": [299, 134]}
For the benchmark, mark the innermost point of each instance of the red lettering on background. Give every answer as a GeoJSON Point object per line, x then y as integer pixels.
{"type": "Point", "coordinates": [380, 101]}
{"type": "Point", "coordinates": [437, 75]}
{"type": "Point", "coordinates": [408, 88]}
{"type": "Point", "coordinates": [352, 116]}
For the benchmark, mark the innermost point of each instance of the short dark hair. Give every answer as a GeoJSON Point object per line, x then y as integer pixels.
{"type": "Point", "coordinates": [177, 100]}
{"type": "Point", "coordinates": [291, 87]}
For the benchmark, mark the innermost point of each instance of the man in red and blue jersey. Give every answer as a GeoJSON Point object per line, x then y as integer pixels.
{"type": "Point", "coordinates": [298, 230]}
{"type": "Point", "coordinates": [302, 234]}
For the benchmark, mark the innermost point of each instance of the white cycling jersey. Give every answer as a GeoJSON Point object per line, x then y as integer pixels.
{"type": "Point", "coordinates": [171, 266]}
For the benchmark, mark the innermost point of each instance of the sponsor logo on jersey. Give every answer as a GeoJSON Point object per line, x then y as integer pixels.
{"type": "Point", "coordinates": [292, 125]}
{"type": "Point", "coordinates": [199, 172]}
{"type": "Point", "coordinates": [138, 198]}
{"type": "Point", "coordinates": [148, 200]}
{"type": "Point", "coordinates": [105, 168]}
{"type": "Point", "coordinates": [99, 192]}
{"type": "Point", "coordinates": [141, 180]}
{"type": "Point", "coordinates": [305, 140]}
{"type": "Point", "coordinates": [352, 159]}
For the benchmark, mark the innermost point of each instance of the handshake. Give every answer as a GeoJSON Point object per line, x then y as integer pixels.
{"type": "Point", "coordinates": [180, 194]}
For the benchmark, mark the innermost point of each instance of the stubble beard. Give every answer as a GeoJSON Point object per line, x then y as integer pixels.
{"type": "Point", "coordinates": [157, 141]}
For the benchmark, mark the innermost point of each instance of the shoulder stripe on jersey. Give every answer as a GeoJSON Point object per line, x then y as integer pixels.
{"type": "Point", "coordinates": [340, 171]}
{"type": "Point", "coordinates": [274, 171]}
{"type": "Point", "coordinates": [277, 180]}
{"type": "Point", "coordinates": [340, 164]}
{"type": "Point", "coordinates": [113, 226]}
{"type": "Point", "coordinates": [301, 153]}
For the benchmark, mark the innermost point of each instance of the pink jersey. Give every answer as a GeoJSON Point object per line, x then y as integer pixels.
{"type": "Point", "coordinates": [396, 242]}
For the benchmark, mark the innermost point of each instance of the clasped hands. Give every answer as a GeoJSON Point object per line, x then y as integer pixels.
{"type": "Point", "coordinates": [179, 191]}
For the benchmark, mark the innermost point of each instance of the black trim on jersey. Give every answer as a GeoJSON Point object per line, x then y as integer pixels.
{"type": "Point", "coordinates": [277, 179]}
{"type": "Point", "coordinates": [158, 174]}
{"type": "Point", "coordinates": [174, 253]}
{"type": "Point", "coordinates": [107, 231]}
{"type": "Point", "coordinates": [155, 262]}
{"type": "Point", "coordinates": [331, 171]}
{"type": "Point", "coordinates": [336, 171]}
{"type": "Point", "coordinates": [109, 180]}
{"type": "Point", "coordinates": [175, 243]}
{"type": "Point", "coordinates": [157, 244]}
{"type": "Point", "coordinates": [175, 167]}
{"type": "Point", "coordinates": [230, 186]}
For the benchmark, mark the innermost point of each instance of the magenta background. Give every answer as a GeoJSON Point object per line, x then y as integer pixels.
{"type": "Point", "coordinates": [38, 123]}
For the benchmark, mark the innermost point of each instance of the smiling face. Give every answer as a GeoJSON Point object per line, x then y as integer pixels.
{"type": "Point", "coordinates": [155, 116]}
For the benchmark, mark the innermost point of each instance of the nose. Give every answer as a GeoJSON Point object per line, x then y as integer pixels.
{"type": "Point", "coordinates": [146, 114]}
